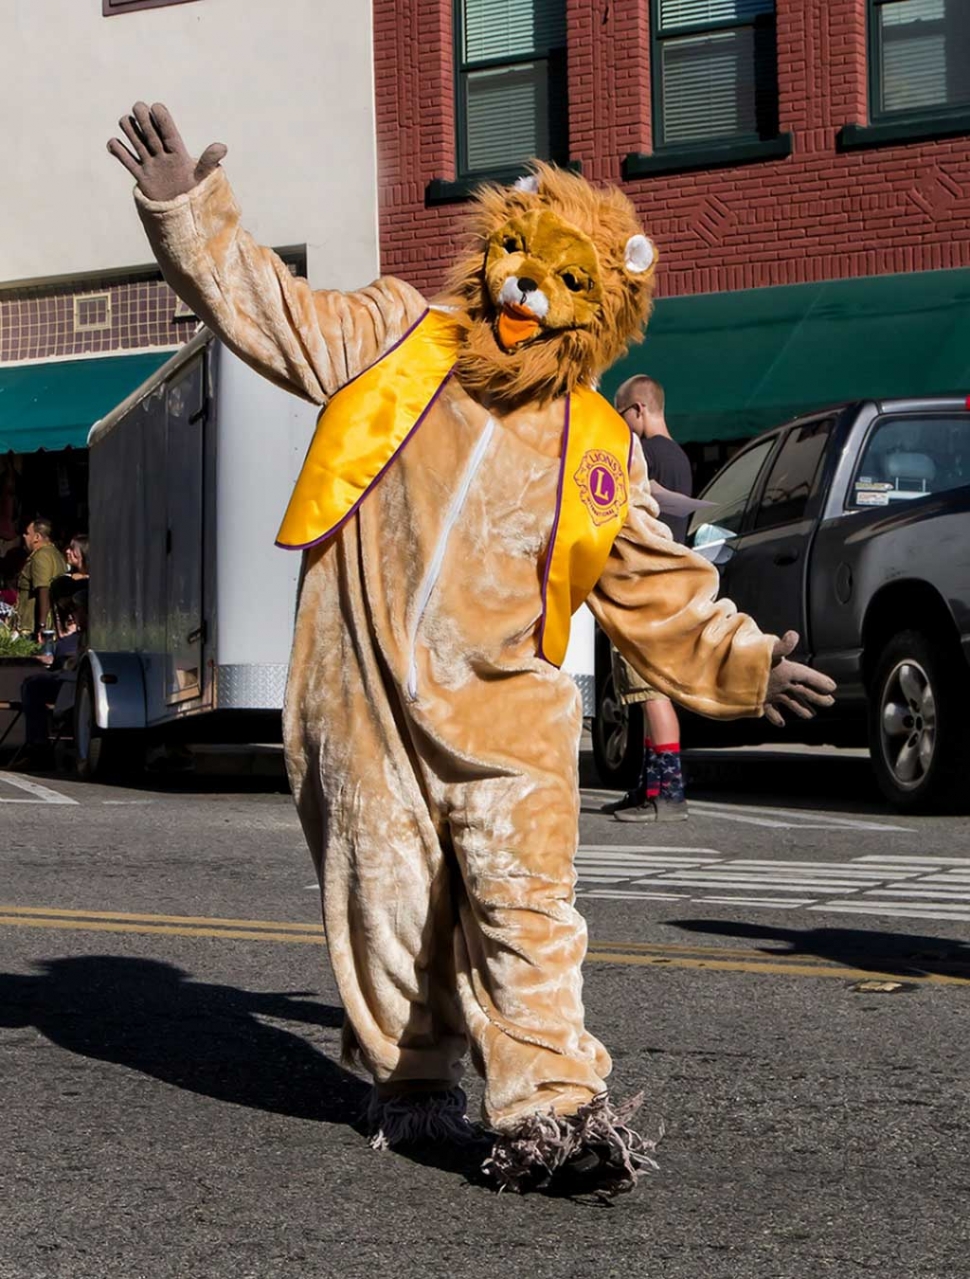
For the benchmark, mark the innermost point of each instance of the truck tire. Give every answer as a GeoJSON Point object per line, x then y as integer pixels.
{"type": "Point", "coordinates": [101, 756]}
{"type": "Point", "coordinates": [919, 723]}
{"type": "Point", "coordinates": [617, 732]}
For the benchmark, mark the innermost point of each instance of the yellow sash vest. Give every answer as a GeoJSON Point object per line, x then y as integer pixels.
{"type": "Point", "coordinates": [368, 422]}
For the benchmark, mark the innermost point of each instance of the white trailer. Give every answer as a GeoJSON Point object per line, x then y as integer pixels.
{"type": "Point", "coordinates": [191, 603]}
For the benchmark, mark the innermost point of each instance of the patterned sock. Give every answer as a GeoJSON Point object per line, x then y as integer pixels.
{"type": "Point", "coordinates": [671, 775]}
{"type": "Point", "coordinates": [650, 771]}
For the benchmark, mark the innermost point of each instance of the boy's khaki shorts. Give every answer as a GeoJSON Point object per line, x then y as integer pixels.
{"type": "Point", "coordinates": [631, 687]}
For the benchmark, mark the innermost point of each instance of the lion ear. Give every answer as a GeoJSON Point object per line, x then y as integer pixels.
{"type": "Point", "coordinates": [640, 254]}
{"type": "Point", "coordinates": [529, 182]}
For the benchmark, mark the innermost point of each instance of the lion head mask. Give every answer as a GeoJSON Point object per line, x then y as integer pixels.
{"type": "Point", "coordinates": [556, 284]}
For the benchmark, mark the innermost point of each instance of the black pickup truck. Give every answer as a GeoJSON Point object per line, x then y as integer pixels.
{"type": "Point", "coordinates": [851, 526]}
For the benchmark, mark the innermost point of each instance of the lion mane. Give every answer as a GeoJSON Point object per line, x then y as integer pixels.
{"type": "Point", "coordinates": [557, 361]}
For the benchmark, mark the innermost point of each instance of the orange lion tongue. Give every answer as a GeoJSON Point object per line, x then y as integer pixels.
{"type": "Point", "coordinates": [515, 324]}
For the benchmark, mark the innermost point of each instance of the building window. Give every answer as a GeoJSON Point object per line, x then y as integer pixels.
{"type": "Point", "coordinates": [110, 7]}
{"type": "Point", "coordinates": [919, 57]}
{"type": "Point", "coordinates": [511, 83]}
{"type": "Point", "coordinates": [715, 73]}
{"type": "Point", "coordinates": [92, 312]}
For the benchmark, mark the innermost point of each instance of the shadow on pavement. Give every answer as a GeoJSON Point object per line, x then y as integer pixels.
{"type": "Point", "coordinates": [154, 1018]}
{"type": "Point", "coordinates": [799, 779]}
{"type": "Point", "coordinates": [157, 1019]}
{"type": "Point", "coordinates": [902, 954]}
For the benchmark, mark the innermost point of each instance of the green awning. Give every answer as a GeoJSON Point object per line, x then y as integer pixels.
{"type": "Point", "coordinates": [733, 364]}
{"type": "Point", "coordinates": [53, 406]}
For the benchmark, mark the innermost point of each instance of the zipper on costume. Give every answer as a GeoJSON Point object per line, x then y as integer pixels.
{"type": "Point", "coordinates": [438, 559]}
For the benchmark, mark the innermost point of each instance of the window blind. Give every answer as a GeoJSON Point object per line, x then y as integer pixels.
{"type": "Point", "coordinates": [512, 28]}
{"type": "Point", "coordinates": [683, 13]}
{"type": "Point", "coordinates": [515, 111]}
{"type": "Point", "coordinates": [719, 85]}
{"type": "Point", "coordinates": [508, 116]}
{"type": "Point", "coordinates": [924, 54]}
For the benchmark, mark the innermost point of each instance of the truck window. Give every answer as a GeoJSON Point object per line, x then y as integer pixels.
{"type": "Point", "coordinates": [729, 491]}
{"type": "Point", "coordinates": [792, 475]}
{"type": "Point", "coordinates": [908, 457]}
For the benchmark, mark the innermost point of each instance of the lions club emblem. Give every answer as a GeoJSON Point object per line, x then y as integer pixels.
{"type": "Point", "coordinates": [602, 485]}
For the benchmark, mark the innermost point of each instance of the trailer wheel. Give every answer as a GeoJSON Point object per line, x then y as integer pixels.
{"type": "Point", "coordinates": [919, 738]}
{"type": "Point", "coordinates": [99, 755]}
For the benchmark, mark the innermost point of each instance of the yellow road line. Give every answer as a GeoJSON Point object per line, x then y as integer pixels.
{"type": "Point", "coordinates": [785, 968]}
{"type": "Point", "coordinates": [52, 913]}
{"type": "Point", "coordinates": [635, 954]}
{"type": "Point", "coordinates": [168, 930]}
{"type": "Point", "coordinates": [664, 948]}
{"type": "Point", "coordinates": [217, 922]}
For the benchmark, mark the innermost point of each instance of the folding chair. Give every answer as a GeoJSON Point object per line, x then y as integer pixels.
{"type": "Point", "coordinates": [18, 709]}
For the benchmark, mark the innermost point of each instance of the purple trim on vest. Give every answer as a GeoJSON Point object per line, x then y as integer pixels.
{"type": "Point", "coordinates": [305, 546]}
{"type": "Point", "coordinates": [555, 530]}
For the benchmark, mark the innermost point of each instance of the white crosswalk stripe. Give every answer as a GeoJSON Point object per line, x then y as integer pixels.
{"type": "Point", "coordinates": [913, 859]}
{"type": "Point", "coordinates": [912, 886]}
{"type": "Point", "coordinates": [35, 792]}
{"type": "Point", "coordinates": [899, 911]}
{"type": "Point", "coordinates": [758, 815]}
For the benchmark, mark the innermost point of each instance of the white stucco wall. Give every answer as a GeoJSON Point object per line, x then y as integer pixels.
{"type": "Point", "coordinates": [287, 85]}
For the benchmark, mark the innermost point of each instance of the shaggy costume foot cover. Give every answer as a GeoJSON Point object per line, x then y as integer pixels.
{"type": "Point", "coordinates": [418, 1119]}
{"type": "Point", "coordinates": [593, 1150]}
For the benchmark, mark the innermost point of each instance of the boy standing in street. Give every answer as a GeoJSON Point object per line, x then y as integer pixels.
{"type": "Point", "coordinates": [659, 793]}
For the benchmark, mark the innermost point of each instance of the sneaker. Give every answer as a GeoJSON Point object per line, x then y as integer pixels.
{"type": "Point", "coordinates": [660, 809]}
{"type": "Point", "coordinates": [672, 810]}
{"type": "Point", "coordinates": [632, 799]}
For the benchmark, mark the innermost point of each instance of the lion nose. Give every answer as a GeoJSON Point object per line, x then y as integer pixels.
{"type": "Point", "coordinates": [526, 285]}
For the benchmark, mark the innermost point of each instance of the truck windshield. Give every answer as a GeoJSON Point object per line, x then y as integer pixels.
{"type": "Point", "coordinates": [910, 457]}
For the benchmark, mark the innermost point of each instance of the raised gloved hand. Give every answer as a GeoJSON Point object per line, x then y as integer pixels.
{"type": "Point", "coordinates": [161, 165]}
{"type": "Point", "coordinates": [793, 686]}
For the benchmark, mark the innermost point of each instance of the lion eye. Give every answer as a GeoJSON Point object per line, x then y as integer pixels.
{"type": "Point", "coordinates": [510, 244]}
{"type": "Point", "coordinates": [571, 283]}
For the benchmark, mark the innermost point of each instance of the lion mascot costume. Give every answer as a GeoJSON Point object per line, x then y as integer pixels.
{"type": "Point", "coordinates": [466, 490]}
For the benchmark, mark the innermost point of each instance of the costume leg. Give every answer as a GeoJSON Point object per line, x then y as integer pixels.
{"type": "Point", "coordinates": [520, 946]}
{"type": "Point", "coordinates": [384, 875]}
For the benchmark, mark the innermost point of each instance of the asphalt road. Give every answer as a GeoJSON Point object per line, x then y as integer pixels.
{"type": "Point", "coordinates": [171, 1103]}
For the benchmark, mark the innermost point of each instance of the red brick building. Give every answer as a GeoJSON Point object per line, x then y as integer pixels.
{"type": "Point", "coordinates": [803, 166]}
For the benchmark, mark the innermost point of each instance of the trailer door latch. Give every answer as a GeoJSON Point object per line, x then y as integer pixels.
{"type": "Point", "coordinates": [200, 633]}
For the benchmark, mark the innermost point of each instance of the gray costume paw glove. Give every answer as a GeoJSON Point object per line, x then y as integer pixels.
{"type": "Point", "coordinates": [793, 686]}
{"type": "Point", "coordinates": [160, 164]}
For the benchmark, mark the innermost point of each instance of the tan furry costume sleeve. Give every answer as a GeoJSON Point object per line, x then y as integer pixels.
{"type": "Point", "coordinates": [656, 602]}
{"type": "Point", "coordinates": [308, 342]}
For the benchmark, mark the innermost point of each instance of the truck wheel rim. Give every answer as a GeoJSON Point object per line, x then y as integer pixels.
{"type": "Point", "coordinates": [615, 727]}
{"type": "Point", "coordinates": [908, 724]}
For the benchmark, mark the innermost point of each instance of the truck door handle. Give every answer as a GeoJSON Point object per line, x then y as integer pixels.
{"type": "Point", "coordinates": [786, 557]}
{"type": "Point", "coordinates": [198, 634]}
